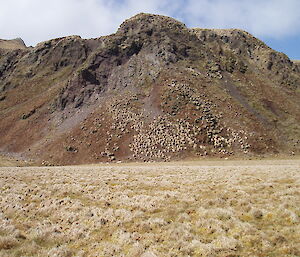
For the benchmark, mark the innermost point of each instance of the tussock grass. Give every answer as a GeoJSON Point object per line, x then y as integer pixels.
{"type": "Point", "coordinates": [154, 210]}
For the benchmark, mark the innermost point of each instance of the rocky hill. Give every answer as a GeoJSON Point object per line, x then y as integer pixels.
{"type": "Point", "coordinates": [154, 90]}
{"type": "Point", "coordinates": [13, 44]}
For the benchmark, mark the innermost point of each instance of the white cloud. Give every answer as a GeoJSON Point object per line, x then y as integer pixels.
{"type": "Point", "coordinates": [39, 20]}
{"type": "Point", "coordinates": [36, 20]}
{"type": "Point", "coordinates": [268, 18]}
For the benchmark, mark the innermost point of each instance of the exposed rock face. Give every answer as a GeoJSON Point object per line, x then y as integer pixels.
{"type": "Point", "coordinates": [154, 90]}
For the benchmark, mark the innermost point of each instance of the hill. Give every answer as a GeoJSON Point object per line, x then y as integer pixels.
{"type": "Point", "coordinates": [13, 44]}
{"type": "Point", "coordinates": [154, 90]}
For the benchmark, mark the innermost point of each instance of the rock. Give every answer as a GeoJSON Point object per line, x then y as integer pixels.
{"type": "Point", "coordinates": [258, 214]}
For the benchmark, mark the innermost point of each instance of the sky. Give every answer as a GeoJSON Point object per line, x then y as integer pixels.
{"type": "Point", "coordinates": [276, 22]}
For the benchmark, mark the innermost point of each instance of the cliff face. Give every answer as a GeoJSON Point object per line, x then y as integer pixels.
{"type": "Point", "coordinates": [154, 90]}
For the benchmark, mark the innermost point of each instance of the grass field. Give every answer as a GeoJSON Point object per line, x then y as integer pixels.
{"type": "Point", "coordinates": [229, 208]}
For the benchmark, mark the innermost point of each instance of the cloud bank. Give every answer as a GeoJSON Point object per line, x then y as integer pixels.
{"type": "Point", "coordinates": [39, 20]}
{"type": "Point", "coordinates": [267, 18]}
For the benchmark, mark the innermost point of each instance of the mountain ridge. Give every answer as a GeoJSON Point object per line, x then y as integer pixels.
{"type": "Point", "coordinates": [154, 90]}
{"type": "Point", "coordinates": [12, 44]}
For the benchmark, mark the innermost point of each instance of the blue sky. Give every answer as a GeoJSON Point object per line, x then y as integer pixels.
{"type": "Point", "coordinates": [276, 22]}
{"type": "Point", "coordinates": [289, 45]}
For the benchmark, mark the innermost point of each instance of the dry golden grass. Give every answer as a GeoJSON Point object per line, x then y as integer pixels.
{"type": "Point", "coordinates": [6, 162]}
{"type": "Point", "coordinates": [176, 209]}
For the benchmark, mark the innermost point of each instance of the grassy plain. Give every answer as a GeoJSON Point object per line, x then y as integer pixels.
{"type": "Point", "coordinates": [212, 208]}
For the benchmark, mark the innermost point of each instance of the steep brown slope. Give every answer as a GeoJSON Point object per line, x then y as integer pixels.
{"type": "Point", "coordinates": [153, 90]}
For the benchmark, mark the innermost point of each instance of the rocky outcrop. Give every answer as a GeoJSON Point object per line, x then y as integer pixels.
{"type": "Point", "coordinates": [154, 90]}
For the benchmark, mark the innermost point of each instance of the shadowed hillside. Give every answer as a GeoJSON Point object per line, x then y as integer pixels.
{"type": "Point", "coordinates": [154, 90]}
